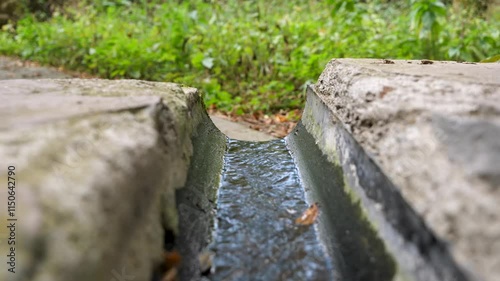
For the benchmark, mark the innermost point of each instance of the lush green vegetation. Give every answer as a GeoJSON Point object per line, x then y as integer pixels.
{"type": "Point", "coordinates": [246, 55]}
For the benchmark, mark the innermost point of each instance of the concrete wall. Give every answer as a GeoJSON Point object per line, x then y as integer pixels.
{"type": "Point", "coordinates": [96, 164]}
{"type": "Point", "coordinates": [433, 129]}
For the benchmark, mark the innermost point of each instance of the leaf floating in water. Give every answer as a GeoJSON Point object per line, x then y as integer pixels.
{"type": "Point", "coordinates": [309, 215]}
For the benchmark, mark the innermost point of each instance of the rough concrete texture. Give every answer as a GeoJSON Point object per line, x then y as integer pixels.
{"type": "Point", "coordinates": [97, 164]}
{"type": "Point", "coordinates": [434, 128]}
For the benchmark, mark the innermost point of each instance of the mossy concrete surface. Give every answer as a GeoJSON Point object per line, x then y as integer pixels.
{"type": "Point", "coordinates": [97, 164]}
{"type": "Point", "coordinates": [432, 129]}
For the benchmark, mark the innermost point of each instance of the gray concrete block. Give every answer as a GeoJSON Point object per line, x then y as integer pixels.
{"type": "Point", "coordinates": [434, 129]}
{"type": "Point", "coordinates": [97, 165]}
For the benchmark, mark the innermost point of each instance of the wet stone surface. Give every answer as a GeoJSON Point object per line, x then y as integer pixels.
{"type": "Point", "coordinates": [256, 237]}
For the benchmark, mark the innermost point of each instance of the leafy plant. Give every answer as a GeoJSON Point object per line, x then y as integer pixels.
{"type": "Point", "coordinates": [246, 56]}
{"type": "Point", "coordinates": [426, 17]}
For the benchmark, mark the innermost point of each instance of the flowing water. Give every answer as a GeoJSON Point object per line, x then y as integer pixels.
{"type": "Point", "coordinates": [241, 200]}
{"type": "Point", "coordinates": [246, 215]}
{"type": "Point", "coordinates": [256, 237]}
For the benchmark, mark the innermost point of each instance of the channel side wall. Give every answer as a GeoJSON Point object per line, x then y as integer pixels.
{"type": "Point", "coordinates": [423, 137]}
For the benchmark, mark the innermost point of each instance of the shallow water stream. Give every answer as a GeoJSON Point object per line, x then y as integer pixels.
{"type": "Point", "coordinates": [256, 238]}
{"type": "Point", "coordinates": [243, 209]}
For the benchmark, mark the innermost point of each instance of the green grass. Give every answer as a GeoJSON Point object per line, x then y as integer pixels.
{"type": "Point", "coordinates": [246, 55]}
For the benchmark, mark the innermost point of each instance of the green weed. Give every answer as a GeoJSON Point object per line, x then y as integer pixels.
{"type": "Point", "coordinates": [246, 55]}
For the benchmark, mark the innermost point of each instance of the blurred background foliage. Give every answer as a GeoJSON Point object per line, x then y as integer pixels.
{"type": "Point", "coordinates": [247, 56]}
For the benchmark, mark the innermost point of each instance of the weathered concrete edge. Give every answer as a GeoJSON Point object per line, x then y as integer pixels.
{"type": "Point", "coordinates": [197, 200]}
{"type": "Point", "coordinates": [173, 119]}
{"type": "Point", "coordinates": [419, 253]}
{"type": "Point", "coordinates": [433, 128]}
{"type": "Point", "coordinates": [348, 236]}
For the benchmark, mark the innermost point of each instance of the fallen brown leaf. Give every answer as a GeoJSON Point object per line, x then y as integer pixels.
{"type": "Point", "coordinates": [172, 259]}
{"type": "Point", "coordinates": [170, 275]}
{"type": "Point", "coordinates": [172, 262]}
{"type": "Point", "coordinates": [309, 215]}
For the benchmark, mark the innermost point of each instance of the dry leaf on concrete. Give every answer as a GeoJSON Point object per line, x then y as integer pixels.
{"type": "Point", "coordinates": [172, 262]}
{"type": "Point", "coordinates": [170, 275]}
{"type": "Point", "coordinates": [172, 259]}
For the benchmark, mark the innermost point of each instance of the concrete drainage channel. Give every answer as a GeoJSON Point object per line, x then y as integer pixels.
{"type": "Point", "coordinates": [246, 221]}
{"type": "Point", "coordinates": [122, 179]}
{"type": "Point", "coordinates": [349, 154]}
